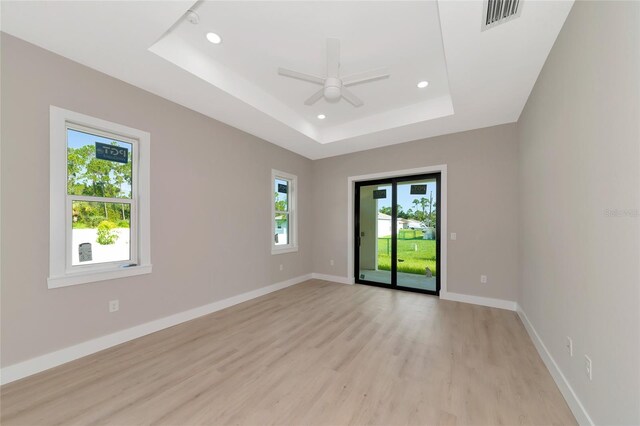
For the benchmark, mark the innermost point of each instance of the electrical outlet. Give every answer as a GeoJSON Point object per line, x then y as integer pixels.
{"type": "Point", "coordinates": [331, 262]}
{"type": "Point", "coordinates": [569, 345]}
{"type": "Point", "coordinates": [588, 369]}
{"type": "Point", "coordinates": [454, 236]}
{"type": "Point", "coordinates": [114, 305]}
{"type": "Point", "coordinates": [281, 267]}
{"type": "Point", "coordinates": [483, 279]}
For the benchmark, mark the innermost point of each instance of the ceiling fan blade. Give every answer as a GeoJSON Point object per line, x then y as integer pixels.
{"type": "Point", "coordinates": [315, 97]}
{"type": "Point", "coordinates": [365, 77]}
{"type": "Point", "coordinates": [300, 76]}
{"type": "Point", "coordinates": [351, 98]}
{"type": "Point", "coordinates": [333, 57]}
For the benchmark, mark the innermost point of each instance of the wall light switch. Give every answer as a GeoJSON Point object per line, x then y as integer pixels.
{"type": "Point", "coordinates": [331, 262]}
{"type": "Point", "coordinates": [454, 236]}
{"type": "Point", "coordinates": [114, 305]}
{"type": "Point", "coordinates": [483, 279]}
{"type": "Point", "coordinates": [569, 346]}
{"type": "Point", "coordinates": [281, 267]}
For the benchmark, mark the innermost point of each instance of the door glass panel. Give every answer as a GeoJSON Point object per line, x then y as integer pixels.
{"type": "Point", "coordinates": [416, 238]}
{"type": "Point", "coordinates": [374, 239]}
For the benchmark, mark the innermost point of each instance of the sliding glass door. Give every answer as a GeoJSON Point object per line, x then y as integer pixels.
{"type": "Point", "coordinates": [373, 236]}
{"type": "Point", "coordinates": [397, 233]}
{"type": "Point", "coordinates": [417, 236]}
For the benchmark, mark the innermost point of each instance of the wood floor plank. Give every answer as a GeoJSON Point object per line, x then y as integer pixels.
{"type": "Point", "coordinates": [317, 353]}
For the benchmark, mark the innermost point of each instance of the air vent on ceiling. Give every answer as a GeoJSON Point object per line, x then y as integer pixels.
{"type": "Point", "coordinates": [496, 12]}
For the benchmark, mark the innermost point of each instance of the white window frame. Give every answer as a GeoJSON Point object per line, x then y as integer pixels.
{"type": "Point", "coordinates": [61, 271]}
{"type": "Point", "coordinates": [293, 212]}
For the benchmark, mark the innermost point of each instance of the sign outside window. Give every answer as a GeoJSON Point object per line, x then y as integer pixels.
{"type": "Point", "coordinates": [115, 153]}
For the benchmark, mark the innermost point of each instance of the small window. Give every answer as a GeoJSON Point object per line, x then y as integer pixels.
{"type": "Point", "coordinates": [283, 218]}
{"type": "Point", "coordinates": [100, 194]}
{"type": "Point", "coordinates": [99, 200]}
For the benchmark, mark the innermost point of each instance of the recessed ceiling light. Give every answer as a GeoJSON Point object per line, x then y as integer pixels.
{"type": "Point", "coordinates": [214, 38]}
{"type": "Point", "coordinates": [423, 84]}
{"type": "Point", "coordinates": [321, 116]}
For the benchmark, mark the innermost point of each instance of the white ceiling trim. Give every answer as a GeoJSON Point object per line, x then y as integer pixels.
{"type": "Point", "coordinates": [186, 57]}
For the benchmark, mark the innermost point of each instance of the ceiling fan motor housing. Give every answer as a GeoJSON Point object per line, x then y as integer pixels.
{"type": "Point", "coordinates": [335, 88]}
{"type": "Point", "coordinates": [332, 89]}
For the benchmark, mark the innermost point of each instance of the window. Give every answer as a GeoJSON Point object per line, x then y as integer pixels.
{"type": "Point", "coordinates": [283, 213]}
{"type": "Point", "coordinates": [99, 200]}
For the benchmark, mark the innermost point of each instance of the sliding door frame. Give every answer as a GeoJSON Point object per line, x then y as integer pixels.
{"type": "Point", "coordinates": [394, 181]}
{"type": "Point", "coordinates": [356, 230]}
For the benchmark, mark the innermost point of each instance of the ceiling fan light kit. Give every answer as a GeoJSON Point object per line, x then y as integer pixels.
{"type": "Point", "coordinates": [333, 87]}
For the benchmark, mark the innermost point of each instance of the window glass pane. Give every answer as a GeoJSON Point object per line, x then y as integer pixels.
{"type": "Point", "coordinates": [281, 195]}
{"type": "Point", "coordinates": [100, 232]}
{"type": "Point", "coordinates": [98, 166]}
{"type": "Point", "coordinates": [282, 229]}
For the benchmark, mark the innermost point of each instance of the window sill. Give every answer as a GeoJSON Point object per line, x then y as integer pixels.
{"type": "Point", "coordinates": [89, 277]}
{"type": "Point", "coordinates": [284, 250]}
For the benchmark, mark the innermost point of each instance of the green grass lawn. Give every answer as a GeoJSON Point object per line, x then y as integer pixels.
{"type": "Point", "coordinates": [413, 261]}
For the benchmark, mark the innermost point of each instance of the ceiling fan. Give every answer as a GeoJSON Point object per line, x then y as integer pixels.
{"type": "Point", "coordinates": [335, 87]}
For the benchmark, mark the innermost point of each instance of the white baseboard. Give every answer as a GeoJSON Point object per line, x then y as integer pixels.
{"type": "Point", "coordinates": [53, 359]}
{"type": "Point", "coordinates": [332, 278]}
{"type": "Point", "coordinates": [479, 300]}
{"type": "Point", "coordinates": [567, 391]}
{"type": "Point", "coordinates": [456, 297]}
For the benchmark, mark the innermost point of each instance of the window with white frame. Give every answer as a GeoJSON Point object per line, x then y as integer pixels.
{"type": "Point", "coordinates": [99, 200]}
{"type": "Point", "coordinates": [283, 213]}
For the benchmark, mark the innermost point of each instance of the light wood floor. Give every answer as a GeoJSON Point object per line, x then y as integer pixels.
{"type": "Point", "coordinates": [317, 353]}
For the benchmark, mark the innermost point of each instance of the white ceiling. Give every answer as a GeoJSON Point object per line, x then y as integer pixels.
{"type": "Point", "coordinates": [260, 37]}
{"type": "Point", "coordinates": [477, 79]}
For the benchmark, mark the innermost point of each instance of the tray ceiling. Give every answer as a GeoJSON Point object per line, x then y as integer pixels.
{"type": "Point", "coordinates": [476, 78]}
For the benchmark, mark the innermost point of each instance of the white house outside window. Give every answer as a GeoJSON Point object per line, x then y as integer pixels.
{"type": "Point", "coordinates": [284, 220]}
{"type": "Point", "coordinates": [99, 200]}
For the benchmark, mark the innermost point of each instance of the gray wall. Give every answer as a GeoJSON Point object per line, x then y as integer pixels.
{"type": "Point", "coordinates": [482, 205]}
{"type": "Point", "coordinates": [210, 207]}
{"type": "Point", "coordinates": [580, 157]}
